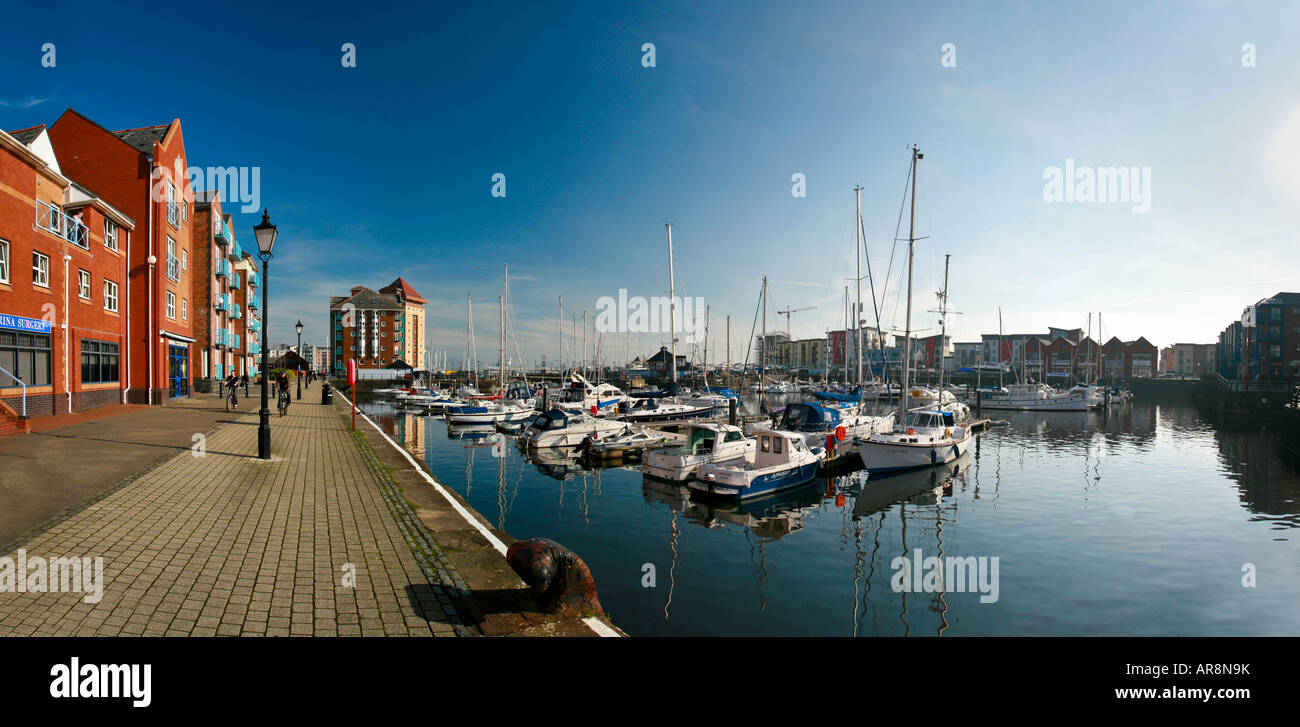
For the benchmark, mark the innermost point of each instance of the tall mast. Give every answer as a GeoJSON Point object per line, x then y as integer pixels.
{"type": "Point", "coordinates": [707, 312]}
{"type": "Point", "coordinates": [727, 372]}
{"type": "Point", "coordinates": [501, 362]}
{"type": "Point", "coordinates": [907, 331]}
{"type": "Point", "coordinates": [672, 307]}
{"type": "Point", "coordinates": [762, 358]}
{"type": "Point", "coordinates": [559, 329]}
{"type": "Point", "coordinates": [857, 306]}
{"type": "Point", "coordinates": [943, 326]}
{"type": "Point", "coordinates": [1000, 348]}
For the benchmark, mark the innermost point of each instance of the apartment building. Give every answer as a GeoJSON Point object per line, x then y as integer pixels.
{"type": "Point", "coordinates": [378, 329]}
{"type": "Point", "coordinates": [63, 272]}
{"type": "Point", "coordinates": [143, 173]}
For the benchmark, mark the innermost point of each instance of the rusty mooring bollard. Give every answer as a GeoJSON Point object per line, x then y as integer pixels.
{"type": "Point", "coordinates": [561, 581]}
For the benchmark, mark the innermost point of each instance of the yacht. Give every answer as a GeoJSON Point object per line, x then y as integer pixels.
{"type": "Point", "coordinates": [491, 412]}
{"type": "Point", "coordinates": [1037, 397]}
{"type": "Point", "coordinates": [783, 461]}
{"type": "Point", "coordinates": [702, 443]}
{"type": "Point", "coordinates": [814, 422]}
{"type": "Point", "coordinates": [564, 428]}
{"type": "Point", "coordinates": [928, 437]}
{"type": "Point", "coordinates": [581, 395]}
{"type": "Point", "coordinates": [659, 410]}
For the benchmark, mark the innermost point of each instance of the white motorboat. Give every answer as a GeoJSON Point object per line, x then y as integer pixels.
{"type": "Point", "coordinates": [815, 421]}
{"type": "Point", "coordinates": [783, 461]}
{"type": "Point", "coordinates": [581, 395]}
{"type": "Point", "coordinates": [564, 428]}
{"type": "Point", "coordinates": [659, 410]}
{"type": "Point", "coordinates": [927, 438]}
{"type": "Point", "coordinates": [491, 412]}
{"type": "Point", "coordinates": [1037, 397]}
{"type": "Point", "coordinates": [703, 443]}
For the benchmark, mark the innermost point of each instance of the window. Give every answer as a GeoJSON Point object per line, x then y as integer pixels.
{"type": "Point", "coordinates": [110, 234]}
{"type": "Point", "coordinates": [41, 269]}
{"type": "Point", "coordinates": [99, 362]}
{"type": "Point", "coordinates": [27, 356]}
{"type": "Point", "coordinates": [4, 261]}
{"type": "Point", "coordinates": [83, 284]}
{"type": "Point", "coordinates": [173, 262]}
{"type": "Point", "coordinates": [185, 259]}
{"type": "Point", "coordinates": [764, 443]}
{"type": "Point", "coordinates": [171, 305]}
{"type": "Point", "coordinates": [185, 309]}
{"type": "Point", "coordinates": [110, 295]}
{"type": "Point", "coordinates": [776, 445]}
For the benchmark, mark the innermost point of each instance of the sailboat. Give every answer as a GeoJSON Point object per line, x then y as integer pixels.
{"type": "Point", "coordinates": [503, 410]}
{"type": "Point", "coordinates": [923, 437]}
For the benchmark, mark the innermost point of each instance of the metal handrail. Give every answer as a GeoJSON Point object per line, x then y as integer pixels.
{"type": "Point", "coordinates": [20, 383]}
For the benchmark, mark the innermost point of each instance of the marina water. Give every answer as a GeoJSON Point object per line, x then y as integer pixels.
{"type": "Point", "coordinates": [1145, 520]}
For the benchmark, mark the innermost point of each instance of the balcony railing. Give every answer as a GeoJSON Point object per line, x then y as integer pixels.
{"type": "Point", "coordinates": [254, 348]}
{"type": "Point", "coordinates": [174, 214]}
{"type": "Point", "coordinates": [234, 281]}
{"type": "Point", "coordinates": [173, 267]}
{"type": "Point", "coordinates": [223, 337]}
{"type": "Point", "coordinates": [223, 268]}
{"type": "Point", "coordinates": [236, 311]}
{"type": "Point", "coordinates": [221, 231]}
{"type": "Point", "coordinates": [252, 278]}
{"type": "Point", "coordinates": [252, 302]}
{"type": "Point", "coordinates": [223, 302]}
{"type": "Point", "coordinates": [52, 219]}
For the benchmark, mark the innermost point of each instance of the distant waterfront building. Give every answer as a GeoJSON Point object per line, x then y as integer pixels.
{"type": "Point", "coordinates": [377, 328]}
{"type": "Point", "coordinates": [1264, 345]}
{"type": "Point", "coordinates": [1191, 359]}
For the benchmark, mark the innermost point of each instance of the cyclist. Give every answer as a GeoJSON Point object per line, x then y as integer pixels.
{"type": "Point", "coordinates": [282, 383]}
{"type": "Point", "coordinates": [231, 382]}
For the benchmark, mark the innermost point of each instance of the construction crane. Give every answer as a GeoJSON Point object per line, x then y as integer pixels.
{"type": "Point", "coordinates": [787, 313]}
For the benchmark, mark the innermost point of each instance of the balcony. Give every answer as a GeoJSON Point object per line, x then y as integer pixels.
{"type": "Point", "coordinates": [254, 348]}
{"type": "Point", "coordinates": [223, 302]}
{"type": "Point", "coordinates": [221, 231]}
{"type": "Point", "coordinates": [234, 281]}
{"type": "Point", "coordinates": [174, 214]}
{"type": "Point", "coordinates": [252, 278]}
{"type": "Point", "coordinates": [223, 268]}
{"type": "Point", "coordinates": [254, 325]}
{"type": "Point", "coordinates": [222, 337]}
{"type": "Point", "coordinates": [173, 267]}
{"type": "Point", "coordinates": [236, 311]}
{"type": "Point", "coordinates": [53, 220]}
{"type": "Point", "coordinates": [252, 302]}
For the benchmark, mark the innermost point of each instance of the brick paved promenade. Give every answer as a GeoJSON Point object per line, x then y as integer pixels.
{"type": "Point", "coordinates": [227, 544]}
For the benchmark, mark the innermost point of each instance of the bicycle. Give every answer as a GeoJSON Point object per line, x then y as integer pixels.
{"type": "Point", "coordinates": [283, 402]}
{"type": "Point", "coordinates": [231, 402]}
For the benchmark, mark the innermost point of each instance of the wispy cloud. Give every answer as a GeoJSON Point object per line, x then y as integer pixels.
{"type": "Point", "coordinates": [26, 103]}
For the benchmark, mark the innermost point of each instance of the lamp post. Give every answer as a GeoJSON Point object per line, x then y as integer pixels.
{"type": "Point", "coordinates": [299, 377]}
{"type": "Point", "coordinates": [265, 233]}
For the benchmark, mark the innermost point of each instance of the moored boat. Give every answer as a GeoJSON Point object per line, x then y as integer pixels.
{"type": "Point", "coordinates": [782, 461]}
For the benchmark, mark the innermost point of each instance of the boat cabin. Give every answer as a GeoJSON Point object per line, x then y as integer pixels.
{"type": "Point", "coordinates": [809, 417]}
{"type": "Point", "coordinates": [775, 447]}
{"type": "Point", "coordinates": [931, 420]}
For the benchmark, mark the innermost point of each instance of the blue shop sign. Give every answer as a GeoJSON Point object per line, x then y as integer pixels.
{"type": "Point", "coordinates": [28, 325]}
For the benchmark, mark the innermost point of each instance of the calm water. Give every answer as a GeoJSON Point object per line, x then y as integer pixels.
{"type": "Point", "coordinates": [1124, 522]}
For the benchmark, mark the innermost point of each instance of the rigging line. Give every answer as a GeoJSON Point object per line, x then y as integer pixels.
{"type": "Point", "coordinates": [874, 303]}
{"type": "Point", "coordinates": [753, 327]}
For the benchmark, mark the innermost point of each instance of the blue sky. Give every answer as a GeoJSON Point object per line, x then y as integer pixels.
{"type": "Point", "coordinates": [385, 169]}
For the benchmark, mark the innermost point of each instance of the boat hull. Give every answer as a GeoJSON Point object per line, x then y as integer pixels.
{"type": "Point", "coordinates": [762, 484]}
{"type": "Point", "coordinates": [893, 457]}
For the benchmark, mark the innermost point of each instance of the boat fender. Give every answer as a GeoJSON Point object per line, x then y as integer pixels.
{"type": "Point", "coordinates": [560, 580]}
{"type": "Point", "coordinates": [947, 434]}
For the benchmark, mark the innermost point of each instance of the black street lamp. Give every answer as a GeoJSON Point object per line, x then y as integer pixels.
{"type": "Point", "coordinates": [299, 377]}
{"type": "Point", "coordinates": [265, 233]}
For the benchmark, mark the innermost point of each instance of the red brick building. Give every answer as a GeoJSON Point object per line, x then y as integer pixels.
{"type": "Point", "coordinates": [1129, 359]}
{"type": "Point", "coordinates": [63, 271]}
{"type": "Point", "coordinates": [143, 173]}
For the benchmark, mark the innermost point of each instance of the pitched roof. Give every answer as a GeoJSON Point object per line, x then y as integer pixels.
{"type": "Point", "coordinates": [143, 139]}
{"type": "Point", "coordinates": [404, 290]}
{"type": "Point", "coordinates": [368, 299]}
{"type": "Point", "coordinates": [26, 136]}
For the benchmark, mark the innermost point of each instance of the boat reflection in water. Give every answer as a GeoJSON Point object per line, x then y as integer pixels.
{"type": "Point", "coordinates": [875, 497]}
{"type": "Point", "coordinates": [920, 487]}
